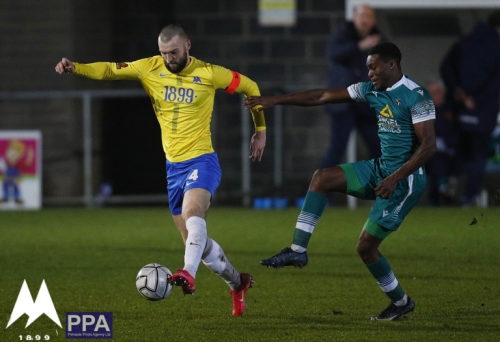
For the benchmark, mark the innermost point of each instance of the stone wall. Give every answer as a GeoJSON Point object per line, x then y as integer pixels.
{"type": "Point", "coordinates": [226, 32]}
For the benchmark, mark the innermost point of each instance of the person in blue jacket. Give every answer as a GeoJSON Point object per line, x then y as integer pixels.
{"type": "Point", "coordinates": [471, 73]}
{"type": "Point", "coordinates": [347, 50]}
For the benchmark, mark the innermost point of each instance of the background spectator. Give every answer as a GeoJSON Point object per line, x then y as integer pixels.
{"type": "Point", "coordinates": [347, 51]}
{"type": "Point", "coordinates": [471, 72]}
{"type": "Point", "coordinates": [440, 166]}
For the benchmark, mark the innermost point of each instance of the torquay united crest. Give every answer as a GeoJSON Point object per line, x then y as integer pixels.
{"type": "Point", "coordinates": [34, 309]}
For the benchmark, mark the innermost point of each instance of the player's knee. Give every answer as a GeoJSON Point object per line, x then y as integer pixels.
{"type": "Point", "coordinates": [328, 180]}
{"type": "Point", "coordinates": [366, 251]}
{"type": "Point", "coordinates": [192, 211]}
{"type": "Point", "coordinates": [318, 181]}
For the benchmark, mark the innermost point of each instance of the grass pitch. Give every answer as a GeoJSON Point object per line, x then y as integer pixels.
{"type": "Point", "coordinates": [89, 260]}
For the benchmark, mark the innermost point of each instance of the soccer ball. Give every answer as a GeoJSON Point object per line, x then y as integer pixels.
{"type": "Point", "coordinates": [154, 282]}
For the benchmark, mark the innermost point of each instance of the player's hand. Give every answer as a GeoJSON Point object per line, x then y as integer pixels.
{"type": "Point", "coordinates": [263, 102]}
{"type": "Point", "coordinates": [257, 145]}
{"type": "Point", "coordinates": [386, 187]}
{"type": "Point", "coordinates": [65, 65]}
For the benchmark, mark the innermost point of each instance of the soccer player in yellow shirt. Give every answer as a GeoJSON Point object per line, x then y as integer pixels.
{"type": "Point", "coordinates": [182, 90]}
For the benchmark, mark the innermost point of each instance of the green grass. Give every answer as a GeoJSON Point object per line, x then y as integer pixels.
{"type": "Point", "coordinates": [89, 259]}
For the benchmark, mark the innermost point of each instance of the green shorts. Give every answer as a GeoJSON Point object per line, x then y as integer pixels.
{"type": "Point", "coordinates": [376, 230]}
{"type": "Point", "coordinates": [363, 176]}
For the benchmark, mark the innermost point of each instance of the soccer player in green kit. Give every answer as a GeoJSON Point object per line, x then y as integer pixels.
{"type": "Point", "coordinates": [396, 180]}
{"type": "Point", "coordinates": [182, 90]}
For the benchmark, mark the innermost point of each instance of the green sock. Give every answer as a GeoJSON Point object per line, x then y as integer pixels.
{"type": "Point", "coordinates": [382, 271]}
{"type": "Point", "coordinates": [313, 207]}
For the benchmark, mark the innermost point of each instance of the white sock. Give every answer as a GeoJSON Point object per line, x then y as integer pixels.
{"type": "Point", "coordinates": [402, 301]}
{"type": "Point", "coordinates": [195, 243]}
{"type": "Point", "coordinates": [298, 249]}
{"type": "Point", "coordinates": [215, 259]}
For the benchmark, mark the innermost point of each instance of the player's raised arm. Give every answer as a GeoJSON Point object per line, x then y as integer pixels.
{"type": "Point", "coordinates": [104, 70]}
{"type": "Point", "coordinates": [314, 97]}
{"type": "Point", "coordinates": [65, 65]}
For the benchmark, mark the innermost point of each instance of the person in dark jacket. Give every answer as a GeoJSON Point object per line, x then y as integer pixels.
{"type": "Point", "coordinates": [471, 72]}
{"type": "Point", "coordinates": [347, 50]}
{"type": "Point", "coordinates": [440, 166]}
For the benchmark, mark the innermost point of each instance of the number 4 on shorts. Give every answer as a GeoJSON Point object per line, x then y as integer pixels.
{"type": "Point", "coordinates": [194, 175]}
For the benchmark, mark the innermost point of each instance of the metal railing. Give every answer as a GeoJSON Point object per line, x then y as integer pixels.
{"type": "Point", "coordinates": [87, 96]}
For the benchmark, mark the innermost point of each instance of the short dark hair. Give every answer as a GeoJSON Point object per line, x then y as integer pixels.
{"type": "Point", "coordinates": [172, 30]}
{"type": "Point", "coordinates": [387, 51]}
{"type": "Point", "coordinates": [494, 18]}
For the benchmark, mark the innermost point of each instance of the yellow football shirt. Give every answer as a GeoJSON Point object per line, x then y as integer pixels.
{"type": "Point", "coordinates": [183, 102]}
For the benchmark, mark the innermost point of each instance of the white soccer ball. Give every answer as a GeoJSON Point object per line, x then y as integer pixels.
{"type": "Point", "coordinates": [154, 282]}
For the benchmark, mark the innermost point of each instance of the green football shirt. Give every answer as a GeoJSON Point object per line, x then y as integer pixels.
{"type": "Point", "coordinates": [397, 108]}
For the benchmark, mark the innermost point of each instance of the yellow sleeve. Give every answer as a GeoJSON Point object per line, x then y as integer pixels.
{"type": "Point", "coordinates": [113, 71]}
{"type": "Point", "coordinates": [248, 87]}
{"type": "Point", "coordinates": [232, 82]}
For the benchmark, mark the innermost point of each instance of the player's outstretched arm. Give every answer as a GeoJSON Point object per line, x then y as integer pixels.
{"type": "Point", "coordinates": [65, 65]}
{"type": "Point", "coordinates": [314, 97]}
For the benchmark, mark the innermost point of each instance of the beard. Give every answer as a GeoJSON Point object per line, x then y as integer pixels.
{"type": "Point", "coordinates": [177, 67]}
